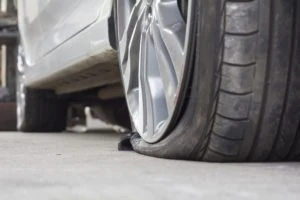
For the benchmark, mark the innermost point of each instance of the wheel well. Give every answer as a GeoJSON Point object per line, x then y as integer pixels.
{"type": "Point", "coordinates": [112, 28]}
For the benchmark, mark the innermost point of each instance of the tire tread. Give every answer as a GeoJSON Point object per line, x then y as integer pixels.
{"type": "Point", "coordinates": [44, 112]}
{"type": "Point", "coordinates": [233, 116]}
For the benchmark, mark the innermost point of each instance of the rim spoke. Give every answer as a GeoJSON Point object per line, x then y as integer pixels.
{"type": "Point", "coordinates": [130, 57]}
{"type": "Point", "coordinates": [131, 64]}
{"type": "Point", "coordinates": [173, 29]}
{"type": "Point", "coordinates": [143, 97]}
{"type": "Point", "coordinates": [166, 68]}
{"type": "Point", "coordinates": [156, 100]}
{"type": "Point", "coordinates": [124, 8]}
{"type": "Point", "coordinates": [133, 99]}
{"type": "Point", "coordinates": [135, 19]}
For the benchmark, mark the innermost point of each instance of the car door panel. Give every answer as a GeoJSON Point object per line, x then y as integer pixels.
{"type": "Point", "coordinates": [77, 42]}
{"type": "Point", "coordinates": [74, 16]}
{"type": "Point", "coordinates": [47, 24]}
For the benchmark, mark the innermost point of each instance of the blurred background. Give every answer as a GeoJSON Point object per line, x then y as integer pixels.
{"type": "Point", "coordinates": [8, 63]}
{"type": "Point", "coordinates": [79, 119]}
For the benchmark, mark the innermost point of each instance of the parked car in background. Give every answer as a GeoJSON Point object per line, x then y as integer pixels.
{"type": "Point", "coordinates": [212, 80]}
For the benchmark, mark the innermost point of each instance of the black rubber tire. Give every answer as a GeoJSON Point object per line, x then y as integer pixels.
{"type": "Point", "coordinates": [244, 98]}
{"type": "Point", "coordinates": [8, 117]}
{"type": "Point", "coordinates": [43, 112]}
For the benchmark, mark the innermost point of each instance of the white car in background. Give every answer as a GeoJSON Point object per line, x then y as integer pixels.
{"type": "Point", "coordinates": [214, 80]}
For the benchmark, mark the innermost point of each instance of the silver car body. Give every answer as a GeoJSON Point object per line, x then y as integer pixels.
{"type": "Point", "coordinates": [60, 38]}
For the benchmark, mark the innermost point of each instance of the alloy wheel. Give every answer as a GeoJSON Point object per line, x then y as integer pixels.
{"type": "Point", "coordinates": [152, 41]}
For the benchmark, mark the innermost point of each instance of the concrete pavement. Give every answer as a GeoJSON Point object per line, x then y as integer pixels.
{"type": "Point", "coordinates": [88, 166]}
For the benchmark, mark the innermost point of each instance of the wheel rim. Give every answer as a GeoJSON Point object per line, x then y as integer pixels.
{"type": "Point", "coordinates": [152, 54]}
